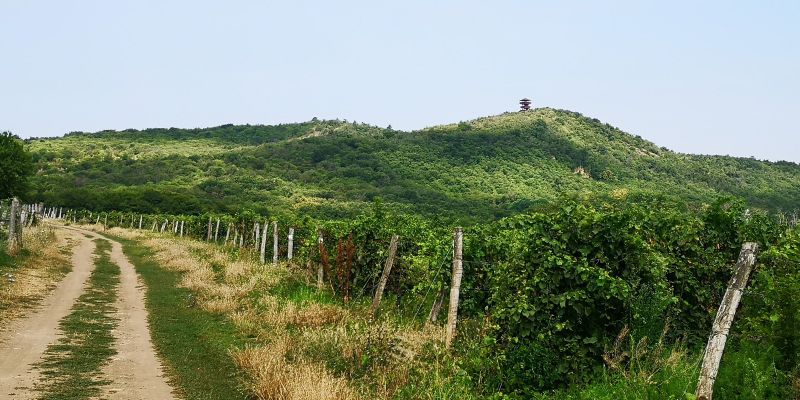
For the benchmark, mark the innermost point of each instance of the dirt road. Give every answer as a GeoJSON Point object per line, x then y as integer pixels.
{"type": "Point", "coordinates": [135, 373]}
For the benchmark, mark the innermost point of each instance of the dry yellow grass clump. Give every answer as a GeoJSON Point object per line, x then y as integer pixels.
{"type": "Point", "coordinates": [47, 261]}
{"type": "Point", "coordinates": [273, 377]}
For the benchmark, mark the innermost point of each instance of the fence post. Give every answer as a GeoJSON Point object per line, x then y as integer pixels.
{"type": "Point", "coordinates": [290, 247]}
{"type": "Point", "coordinates": [387, 268]}
{"type": "Point", "coordinates": [320, 268]}
{"type": "Point", "coordinates": [181, 228]}
{"type": "Point", "coordinates": [264, 243]}
{"type": "Point", "coordinates": [216, 231]}
{"type": "Point", "coordinates": [452, 314]}
{"type": "Point", "coordinates": [437, 306]}
{"type": "Point", "coordinates": [227, 234]}
{"type": "Point", "coordinates": [140, 221]}
{"type": "Point", "coordinates": [275, 242]}
{"type": "Point", "coordinates": [723, 321]}
{"type": "Point", "coordinates": [208, 236]}
{"type": "Point", "coordinates": [13, 243]}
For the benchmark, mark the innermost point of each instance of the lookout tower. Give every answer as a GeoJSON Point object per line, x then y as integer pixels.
{"type": "Point", "coordinates": [525, 104]}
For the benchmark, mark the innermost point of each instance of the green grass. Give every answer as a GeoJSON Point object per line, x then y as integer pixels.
{"type": "Point", "coordinates": [194, 344]}
{"type": "Point", "coordinates": [71, 367]}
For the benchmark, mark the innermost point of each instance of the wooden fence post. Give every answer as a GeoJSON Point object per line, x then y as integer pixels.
{"type": "Point", "coordinates": [140, 221]}
{"type": "Point", "coordinates": [216, 231]}
{"type": "Point", "coordinates": [387, 268]}
{"type": "Point", "coordinates": [275, 242]}
{"type": "Point", "coordinates": [723, 321]}
{"type": "Point", "coordinates": [320, 268]}
{"type": "Point", "coordinates": [208, 236]}
{"type": "Point", "coordinates": [455, 287]}
{"type": "Point", "coordinates": [227, 234]}
{"type": "Point", "coordinates": [13, 244]}
{"type": "Point", "coordinates": [437, 306]}
{"type": "Point", "coordinates": [181, 228]}
{"type": "Point", "coordinates": [264, 243]}
{"type": "Point", "coordinates": [290, 247]}
{"type": "Point", "coordinates": [256, 234]}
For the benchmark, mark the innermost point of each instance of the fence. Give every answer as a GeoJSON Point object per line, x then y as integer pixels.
{"type": "Point", "coordinates": [388, 243]}
{"type": "Point", "coordinates": [14, 219]}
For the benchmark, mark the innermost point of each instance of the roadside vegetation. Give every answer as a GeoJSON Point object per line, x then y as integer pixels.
{"type": "Point", "coordinates": [595, 298]}
{"type": "Point", "coordinates": [26, 278]}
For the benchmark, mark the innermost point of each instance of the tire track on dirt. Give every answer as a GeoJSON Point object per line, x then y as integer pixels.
{"type": "Point", "coordinates": [24, 341]}
{"type": "Point", "coordinates": [136, 372]}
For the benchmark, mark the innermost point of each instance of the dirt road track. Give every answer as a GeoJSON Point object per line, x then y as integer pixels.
{"type": "Point", "coordinates": [136, 372]}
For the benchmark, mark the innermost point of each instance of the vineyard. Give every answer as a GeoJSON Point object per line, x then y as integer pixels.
{"type": "Point", "coordinates": [548, 298]}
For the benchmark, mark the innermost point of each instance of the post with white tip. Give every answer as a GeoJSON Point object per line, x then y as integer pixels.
{"type": "Point", "coordinates": [723, 321]}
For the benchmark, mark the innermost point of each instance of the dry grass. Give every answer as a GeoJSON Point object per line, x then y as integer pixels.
{"type": "Point", "coordinates": [296, 338]}
{"type": "Point", "coordinates": [274, 377]}
{"type": "Point", "coordinates": [47, 262]}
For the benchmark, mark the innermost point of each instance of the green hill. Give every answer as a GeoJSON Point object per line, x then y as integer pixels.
{"type": "Point", "coordinates": [481, 169]}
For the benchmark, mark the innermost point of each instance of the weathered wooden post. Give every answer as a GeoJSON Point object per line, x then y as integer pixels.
{"type": "Point", "coordinates": [227, 235]}
{"type": "Point", "coordinates": [455, 287]}
{"type": "Point", "coordinates": [181, 228]}
{"type": "Point", "coordinates": [275, 242]}
{"type": "Point", "coordinates": [387, 268]}
{"type": "Point", "coordinates": [140, 221]}
{"type": "Point", "coordinates": [290, 248]}
{"type": "Point", "coordinates": [264, 243]}
{"type": "Point", "coordinates": [208, 236]}
{"type": "Point", "coordinates": [164, 225]}
{"type": "Point", "coordinates": [13, 243]}
{"type": "Point", "coordinates": [216, 231]}
{"type": "Point", "coordinates": [320, 268]}
{"type": "Point", "coordinates": [154, 226]}
{"type": "Point", "coordinates": [437, 306]}
{"type": "Point", "coordinates": [723, 321]}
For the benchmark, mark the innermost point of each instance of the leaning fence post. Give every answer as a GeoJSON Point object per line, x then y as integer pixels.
{"type": "Point", "coordinates": [723, 321]}
{"type": "Point", "coordinates": [437, 306]}
{"type": "Point", "coordinates": [455, 286]}
{"type": "Point", "coordinates": [140, 221]}
{"type": "Point", "coordinates": [290, 248]}
{"type": "Point", "coordinates": [264, 243]}
{"type": "Point", "coordinates": [387, 268]}
{"type": "Point", "coordinates": [216, 231]}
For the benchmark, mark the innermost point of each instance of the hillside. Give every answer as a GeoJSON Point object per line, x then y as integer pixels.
{"type": "Point", "coordinates": [481, 169]}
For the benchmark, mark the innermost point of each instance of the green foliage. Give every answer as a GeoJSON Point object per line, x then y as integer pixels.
{"type": "Point", "coordinates": [560, 285]}
{"type": "Point", "coordinates": [15, 164]}
{"type": "Point", "coordinates": [474, 171]}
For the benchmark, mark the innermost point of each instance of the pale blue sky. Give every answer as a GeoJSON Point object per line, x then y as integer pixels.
{"type": "Point", "coordinates": [718, 77]}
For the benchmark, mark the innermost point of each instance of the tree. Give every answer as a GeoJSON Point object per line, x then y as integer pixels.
{"type": "Point", "coordinates": [15, 166]}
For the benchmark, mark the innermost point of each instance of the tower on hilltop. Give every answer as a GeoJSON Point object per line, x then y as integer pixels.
{"type": "Point", "coordinates": [525, 104]}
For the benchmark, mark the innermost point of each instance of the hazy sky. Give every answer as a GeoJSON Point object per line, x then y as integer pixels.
{"type": "Point", "coordinates": [703, 77]}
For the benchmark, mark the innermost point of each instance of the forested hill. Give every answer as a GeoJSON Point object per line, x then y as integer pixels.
{"type": "Point", "coordinates": [481, 169]}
